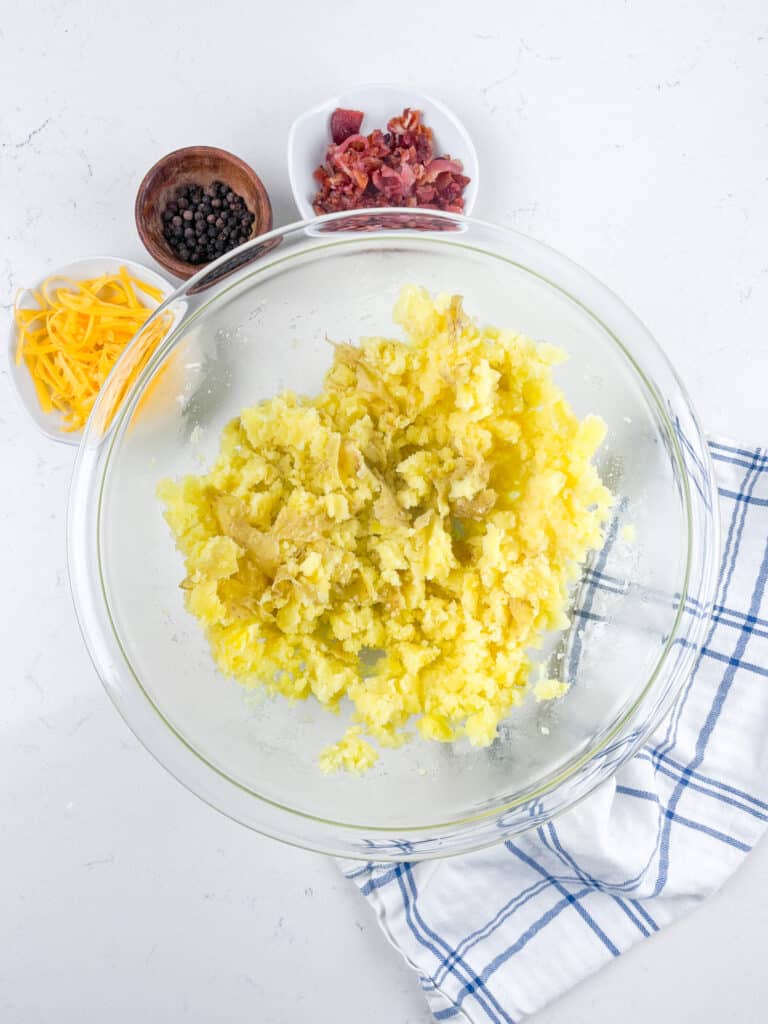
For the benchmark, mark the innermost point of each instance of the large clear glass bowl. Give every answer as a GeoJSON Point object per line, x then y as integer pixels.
{"type": "Point", "coordinates": [638, 615]}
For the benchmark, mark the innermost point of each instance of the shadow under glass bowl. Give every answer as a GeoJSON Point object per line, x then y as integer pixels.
{"type": "Point", "coordinates": [638, 616]}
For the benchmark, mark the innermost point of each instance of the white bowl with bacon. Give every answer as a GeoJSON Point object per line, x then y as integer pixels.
{"type": "Point", "coordinates": [453, 154]}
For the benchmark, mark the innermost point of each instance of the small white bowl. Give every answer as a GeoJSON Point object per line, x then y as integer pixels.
{"type": "Point", "coordinates": [310, 135]}
{"type": "Point", "coordinates": [79, 270]}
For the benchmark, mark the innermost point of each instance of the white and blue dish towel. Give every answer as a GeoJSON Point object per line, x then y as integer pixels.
{"type": "Point", "coordinates": [496, 935]}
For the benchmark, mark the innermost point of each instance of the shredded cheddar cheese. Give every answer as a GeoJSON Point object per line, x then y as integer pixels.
{"type": "Point", "coordinates": [75, 334]}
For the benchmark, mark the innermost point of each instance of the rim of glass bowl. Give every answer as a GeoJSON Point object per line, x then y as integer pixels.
{"type": "Point", "coordinates": [554, 793]}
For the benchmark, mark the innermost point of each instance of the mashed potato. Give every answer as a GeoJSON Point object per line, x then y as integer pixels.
{"type": "Point", "coordinates": [403, 539]}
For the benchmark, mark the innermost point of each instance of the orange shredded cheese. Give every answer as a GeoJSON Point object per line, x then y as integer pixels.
{"type": "Point", "coordinates": [75, 334]}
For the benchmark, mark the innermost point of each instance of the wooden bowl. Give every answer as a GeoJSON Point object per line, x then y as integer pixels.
{"type": "Point", "coordinates": [200, 165]}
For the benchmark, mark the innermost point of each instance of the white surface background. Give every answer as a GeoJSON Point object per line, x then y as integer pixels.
{"type": "Point", "coordinates": [634, 137]}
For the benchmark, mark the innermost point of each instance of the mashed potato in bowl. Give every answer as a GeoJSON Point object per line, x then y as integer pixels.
{"type": "Point", "coordinates": [405, 538]}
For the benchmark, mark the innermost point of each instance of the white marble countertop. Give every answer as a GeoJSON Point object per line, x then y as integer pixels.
{"type": "Point", "coordinates": [634, 137]}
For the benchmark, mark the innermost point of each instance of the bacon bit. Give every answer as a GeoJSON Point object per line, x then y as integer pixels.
{"type": "Point", "coordinates": [345, 123]}
{"type": "Point", "coordinates": [396, 168]}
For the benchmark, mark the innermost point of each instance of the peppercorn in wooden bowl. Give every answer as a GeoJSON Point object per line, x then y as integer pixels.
{"type": "Point", "coordinates": [197, 204]}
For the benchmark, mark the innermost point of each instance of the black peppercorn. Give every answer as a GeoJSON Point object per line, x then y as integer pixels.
{"type": "Point", "coordinates": [201, 223]}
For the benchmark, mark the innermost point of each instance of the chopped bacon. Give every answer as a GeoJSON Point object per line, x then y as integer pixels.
{"type": "Point", "coordinates": [393, 168]}
{"type": "Point", "coordinates": [408, 121]}
{"type": "Point", "coordinates": [442, 165]}
{"type": "Point", "coordinates": [396, 185]}
{"type": "Point", "coordinates": [345, 123]}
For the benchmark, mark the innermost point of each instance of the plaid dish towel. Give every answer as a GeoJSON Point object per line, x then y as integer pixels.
{"type": "Point", "coordinates": [496, 935]}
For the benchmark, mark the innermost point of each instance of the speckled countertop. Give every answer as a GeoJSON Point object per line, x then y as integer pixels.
{"type": "Point", "coordinates": [633, 137]}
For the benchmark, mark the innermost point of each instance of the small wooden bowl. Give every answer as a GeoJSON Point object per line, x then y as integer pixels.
{"type": "Point", "coordinates": [200, 165]}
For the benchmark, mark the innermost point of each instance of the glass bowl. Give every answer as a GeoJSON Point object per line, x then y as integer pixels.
{"type": "Point", "coordinates": [638, 615]}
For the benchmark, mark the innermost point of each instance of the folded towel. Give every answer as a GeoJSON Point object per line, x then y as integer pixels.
{"type": "Point", "coordinates": [496, 935]}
